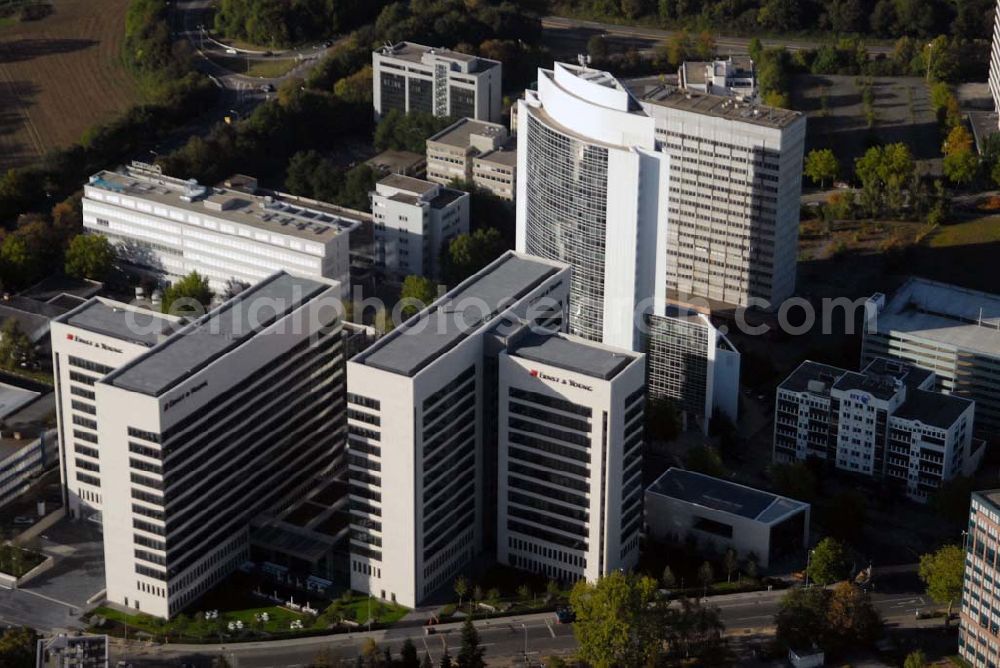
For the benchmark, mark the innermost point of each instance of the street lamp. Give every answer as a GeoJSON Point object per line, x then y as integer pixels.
{"type": "Point", "coordinates": [525, 643]}
{"type": "Point", "coordinates": [809, 555]}
{"type": "Point", "coordinates": [930, 54]}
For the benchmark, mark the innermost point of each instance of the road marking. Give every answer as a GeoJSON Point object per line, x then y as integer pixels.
{"type": "Point", "coordinates": [47, 598]}
{"type": "Point", "coordinates": [548, 625]}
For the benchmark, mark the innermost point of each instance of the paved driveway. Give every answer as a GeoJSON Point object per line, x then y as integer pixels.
{"type": "Point", "coordinates": [53, 600]}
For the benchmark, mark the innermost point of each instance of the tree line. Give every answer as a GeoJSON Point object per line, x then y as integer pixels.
{"type": "Point", "coordinates": [971, 19]}
{"type": "Point", "coordinates": [282, 23]}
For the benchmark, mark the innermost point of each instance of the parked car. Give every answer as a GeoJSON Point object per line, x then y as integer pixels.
{"type": "Point", "coordinates": [23, 520]}
{"type": "Point", "coordinates": [565, 615]}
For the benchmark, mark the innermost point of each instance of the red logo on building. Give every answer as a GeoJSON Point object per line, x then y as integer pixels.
{"type": "Point", "coordinates": [69, 336]}
{"type": "Point", "coordinates": [534, 373]}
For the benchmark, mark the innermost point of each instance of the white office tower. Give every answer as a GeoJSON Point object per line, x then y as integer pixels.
{"type": "Point", "coordinates": [417, 406]}
{"type": "Point", "coordinates": [592, 192]}
{"type": "Point", "coordinates": [570, 456]}
{"type": "Point", "coordinates": [736, 181]}
{"type": "Point", "coordinates": [165, 228]}
{"type": "Point", "coordinates": [885, 422]}
{"type": "Point", "coordinates": [88, 343]}
{"type": "Point", "coordinates": [414, 220]}
{"type": "Point", "coordinates": [227, 418]}
{"type": "Point", "coordinates": [411, 77]}
{"type": "Point", "coordinates": [994, 81]}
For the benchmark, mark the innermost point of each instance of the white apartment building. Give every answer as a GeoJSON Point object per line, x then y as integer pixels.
{"type": "Point", "coordinates": [884, 422]}
{"type": "Point", "coordinates": [474, 151]}
{"type": "Point", "coordinates": [88, 343]}
{"type": "Point", "coordinates": [979, 615]}
{"type": "Point", "coordinates": [413, 220]}
{"type": "Point", "coordinates": [735, 184]}
{"type": "Point", "coordinates": [229, 417]}
{"type": "Point", "coordinates": [419, 474]}
{"type": "Point", "coordinates": [994, 80]}
{"type": "Point", "coordinates": [414, 78]}
{"type": "Point", "coordinates": [952, 331]}
{"type": "Point", "coordinates": [733, 76]}
{"type": "Point", "coordinates": [571, 424]}
{"type": "Point", "coordinates": [166, 228]}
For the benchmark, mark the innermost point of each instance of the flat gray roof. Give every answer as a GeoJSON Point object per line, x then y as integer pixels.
{"type": "Point", "coordinates": [469, 306]}
{"type": "Point", "coordinates": [277, 214]}
{"type": "Point", "coordinates": [215, 334]}
{"type": "Point", "coordinates": [990, 496]}
{"type": "Point", "coordinates": [719, 106]}
{"type": "Point", "coordinates": [798, 380]}
{"type": "Point", "coordinates": [572, 354]}
{"type": "Point", "coordinates": [932, 408]}
{"type": "Point", "coordinates": [458, 133]}
{"type": "Point", "coordinates": [505, 155]}
{"type": "Point", "coordinates": [947, 314]}
{"type": "Point", "coordinates": [415, 52]}
{"type": "Point", "coordinates": [410, 184]}
{"type": "Point", "coordinates": [122, 321]}
{"type": "Point", "coordinates": [725, 496]}
{"type": "Point", "coordinates": [13, 398]}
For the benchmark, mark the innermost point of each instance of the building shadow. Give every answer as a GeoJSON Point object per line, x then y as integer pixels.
{"type": "Point", "coordinates": [29, 48]}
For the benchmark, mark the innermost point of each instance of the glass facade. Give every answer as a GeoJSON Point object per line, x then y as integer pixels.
{"type": "Point", "coordinates": [393, 92]}
{"type": "Point", "coordinates": [566, 216]}
{"type": "Point", "coordinates": [421, 95]}
{"type": "Point", "coordinates": [677, 360]}
{"type": "Point", "coordinates": [463, 103]}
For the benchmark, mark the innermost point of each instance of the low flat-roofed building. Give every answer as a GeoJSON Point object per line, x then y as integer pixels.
{"type": "Point", "coordinates": [952, 331]}
{"type": "Point", "coordinates": [406, 163]}
{"type": "Point", "coordinates": [165, 228]}
{"type": "Point", "coordinates": [474, 151]}
{"type": "Point", "coordinates": [414, 219]}
{"type": "Point", "coordinates": [884, 422]}
{"type": "Point", "coordinates": [28, 444]}
{"type": "Point", "coordinates": [727, 514]}
{"type": "Point", "coordinates": [72, 651]}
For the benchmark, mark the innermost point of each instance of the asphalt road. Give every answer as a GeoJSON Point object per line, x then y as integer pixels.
{"type": "Point", "coordinates": [507, 638]}
{"type": "Point", "coordinates": [569, 36]}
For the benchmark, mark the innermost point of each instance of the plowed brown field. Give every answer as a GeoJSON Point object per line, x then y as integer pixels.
{"type": "Point", "coordinates": [59, 76]}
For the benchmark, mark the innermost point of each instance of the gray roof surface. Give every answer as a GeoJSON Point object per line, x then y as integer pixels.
{"type": "Point", "coordinates": [29, 322]}
{"type": "Point", "coordinates": [438, 328]}
{"type": "Point", "coordinates": [724, 496]}
{"type": "Point", "coordinates": [505, 155]}
{"type": "Point", "coordinates": [932, 408]}
{"type": "Point", "coordinates": [215, 334]}
{"type": "Point", "coordinates": [719, 106]}
{"type": "Point", "coordinates": [798, 380]}
{"type": "Point", "coordinates": [122, 321]}
{"type": "Point", "coordinates": [458, 133]}
{"type": "Point", "coordinates": [991, 496]}
{"type": "Point", "coordinates": [415, 53]}
{"type": "Point", "coordinates": [946, 314]}
{"type": "Point", "coordinates": [408, 183]}
{"type": "Point", "coordinates": [572, 354]}
{"type": "Point", "coordinates": [282, 215]}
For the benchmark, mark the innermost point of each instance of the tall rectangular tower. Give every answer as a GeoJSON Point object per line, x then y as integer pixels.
{"type": "Point", "coordinates": [220, 422]}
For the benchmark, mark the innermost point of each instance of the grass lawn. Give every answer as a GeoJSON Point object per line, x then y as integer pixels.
{"type": "Point", "coordinates": [979, 231]}
{"type": "Point", "coordinates": [17, 561]}
{"type": "Point", "coordinates": [356, 609]}
{"type": "Point", "coordinates": [269, 68]}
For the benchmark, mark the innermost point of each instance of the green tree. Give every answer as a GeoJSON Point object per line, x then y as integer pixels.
{"type": "Point", "coordinates": [524, 593]}
{"type": "Point", "coordinates": [356, 88]}
{"type": "Point", "coordinates": [942, 572]}
{"type": "Point", "coordinates": [663, 420]}
{"type": "Point", "coordinates": [461, 588]}
{"type": "Point", "coordinates": [668, 580]}
{"type": "Point", "coordinates": [780, 15]}
{"type": "Point", "coordinates": [705, 459]}
{"type": "Point", "coordinates": [408, 655]}
{"type": "Point", "coordinates": [828, 562]}
{"type": "Point", "coordinates": [189, 293]}
{"type": "Point", "coordinates": [755, 48]}
{"type": "Point", "coordinates": [696, 631]}
{"type": "Point", "coordinates": [597, 48]}
{"type": "Point", "coordinates": [17, 648]}
{"type": "Point", "coordinates": [915, 659]}
{"type": "Point", "coordinates": [731, 561]}
{"type": "Point", "coordinates": [706, 574]}
{"type": "Point", "coordinates": [90, 256]}
{"type": "Point", "coordinates": [15, 349]}
{"type": "Point", "coordinates": [821, 166]}
{"type": "Point", "coordinates": [705, 47]}
{"type": "Point", "coordinates": [679, 47]}
{"type": "Point", "coordinates": [417, 292]}
{"type": "Point", "coordinates": [359, 181]}
{"type": "Point", "coordinates": [468, 253]}
{"type": "Point", "coordinates": [801, 618]}
{"type": "Point", "coordinates": [795, 480]}
{"type": "Point", "coordinates": [884, 171]}
{"type": "Point", "coordinates": [961, 167]}
{"type": "Point", "coordinates": [617, 621]}
{"type": "Point", "coordinates": [471, 654]}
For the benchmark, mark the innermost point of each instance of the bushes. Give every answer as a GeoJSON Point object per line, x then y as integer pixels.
{"type": "Point", "coordinates": [281, 23]}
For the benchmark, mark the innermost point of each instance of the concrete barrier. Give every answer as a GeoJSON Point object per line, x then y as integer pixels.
{"type": "Point", "coordinates": [39, 527]}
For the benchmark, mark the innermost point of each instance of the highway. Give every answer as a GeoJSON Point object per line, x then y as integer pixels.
{"type": "Point", "coordinates": [507, 638]}
{"type": "Point", "coordinates": [566, 36]}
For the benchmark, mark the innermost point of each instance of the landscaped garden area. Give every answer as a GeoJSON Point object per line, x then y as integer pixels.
{"type": "Point", "coordinates": [17, 561]}
{"type": "Point", "coordinates": [233, 612]}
